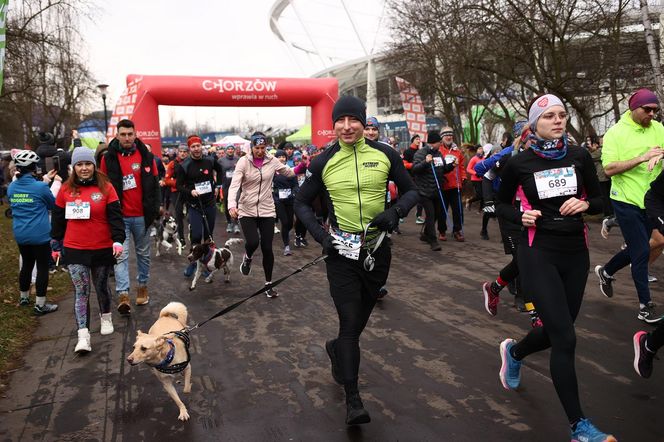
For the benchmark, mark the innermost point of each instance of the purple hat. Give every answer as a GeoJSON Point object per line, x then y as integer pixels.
{"type": "Point", "coordinates": [642, 97]}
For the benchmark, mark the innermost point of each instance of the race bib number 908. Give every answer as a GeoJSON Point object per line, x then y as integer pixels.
{"type": "Point", "coordinates": [556, 182]}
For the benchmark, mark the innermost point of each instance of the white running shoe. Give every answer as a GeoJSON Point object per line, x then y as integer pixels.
{"type": "Point", "coordinates": [106, 324]}
{"type": "Point", "coordinates": [83, 345]}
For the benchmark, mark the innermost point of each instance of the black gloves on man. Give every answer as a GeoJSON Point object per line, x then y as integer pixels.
{"type": "Point", "coordinates": [388, 220]}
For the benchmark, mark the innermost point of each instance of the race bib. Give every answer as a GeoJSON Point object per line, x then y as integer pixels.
{"type": "Point", "coordinates": [300, 180]}
{"type": "Point", "coordinates": [284, 194]}
{"type": "Point", "coordinates": [449, 159]}
{"type": "Point", "coordinates": [229, 173]}
{"type": "Point", "coordinates": [438, 161]}
{"type": "Point", "coordinates": [555, 182]}
{"type": "Point", "coordinates": [128, 182]}
{"type": "Point", "coordinates": [204, 187]}
{"type": "Point", "coordinates": [352, 241]}
{"type": "Point", "coordinates": [77, 211]}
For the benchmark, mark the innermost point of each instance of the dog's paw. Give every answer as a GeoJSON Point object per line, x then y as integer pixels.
{"type": "Point", "coordinates": [187, 389]}
{"type": "Point", "coordinates": [184, 416]}
{"type": "Point", "coordinates": [208, 280]}
{"type": "Point", "coordinates": [192, 288]}
{"type": "Point", "coordinates": [227, 281]}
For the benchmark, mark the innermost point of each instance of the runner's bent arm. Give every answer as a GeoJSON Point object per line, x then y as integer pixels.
{"type": "Point", "coordinates": [310, 189]}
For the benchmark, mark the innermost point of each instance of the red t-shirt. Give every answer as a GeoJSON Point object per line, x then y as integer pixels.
{"type": "Point", "coordinates": [93, 233]}
{"type": "Point", "coordinates": [132, 186]}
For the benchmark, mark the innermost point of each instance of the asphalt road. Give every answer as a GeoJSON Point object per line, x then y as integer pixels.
{"type": "Point", "coordinates": [429, 368]}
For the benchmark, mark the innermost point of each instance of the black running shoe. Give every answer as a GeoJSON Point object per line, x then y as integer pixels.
{"type": "Point", "coordinates": [355, 412]}
{"type": "Point", "coordinates": [642, 357]}
{"type": "Point", "coordinates": [604, 282]}
{"type": "Point", "coordinates": [329, 347]}
{"type": "Point", "coordinates": [245, 267]}
{"type": "Point", "coordinates": [649, 315]}
{"type": "Point", "coordinates": [41, 310]}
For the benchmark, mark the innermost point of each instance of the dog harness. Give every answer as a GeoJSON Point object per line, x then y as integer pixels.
{"type": "Point", "coordinates": [164, 366]}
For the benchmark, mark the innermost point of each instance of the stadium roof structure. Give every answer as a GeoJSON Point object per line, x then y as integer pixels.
{"type": "Point", "coordinates": [338, 38]}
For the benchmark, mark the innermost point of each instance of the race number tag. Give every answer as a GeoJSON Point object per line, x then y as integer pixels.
{"type": "Point", "coordinates": [352, 241]}
{"type": "Point", "coordinates": [438, 161]}
{"type": "Point", "coordinates": [77, 211]}
{"type": "Point", "coordinates": [204, 187]}
{"type": "Point", "coordinates": [128, 182]}
{"type": "Point", "coordinates": [284, 194]}
{"type": "Point", "coordinates": [300, 180]}
{"type": "Point", "coordinates": [555, 182]}
{"type": "Point", "coordinates": [229, 173]}
{"type": "Point", "coordinates": [450, 159]}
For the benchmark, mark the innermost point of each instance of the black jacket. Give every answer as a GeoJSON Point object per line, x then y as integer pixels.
{"type": "Point", "coordinates": [149, 181]}
{"type": "Point", "coordinates": [192, 171]}
{"type": "Point", "coordinates": [424, 178]}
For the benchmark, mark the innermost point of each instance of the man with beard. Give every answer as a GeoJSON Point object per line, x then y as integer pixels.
{"type": "Point", "coordinates": [629, 146]}
{"type": "Point", "coordinates": [429, 169]}
{"type": "Point", "coordinates": [452, 186]}
{"type": "Point", "coordinates": [196, 182]}
{"type": "Point", "coordinates": [133, 172]}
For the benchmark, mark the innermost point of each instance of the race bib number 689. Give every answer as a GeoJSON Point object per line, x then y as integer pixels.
{"type": "Point", "coordinates": [556, 182]}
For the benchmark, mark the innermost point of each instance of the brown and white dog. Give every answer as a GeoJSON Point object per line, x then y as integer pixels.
{"type": "Point", "coordinates": [165, 352]}
{"type": "Point", "coordinates": [209, 258]}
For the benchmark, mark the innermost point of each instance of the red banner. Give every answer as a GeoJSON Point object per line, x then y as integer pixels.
{"type": "Point", "coordinates": [413, 109]}
{"type": "Point", "coordinates": [144, 94]}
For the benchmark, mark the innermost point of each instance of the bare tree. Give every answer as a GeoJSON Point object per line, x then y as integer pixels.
{"type": "Point", "coordinates": [491, 57]}
{"type": "Point", "coordinates": [46, 80]}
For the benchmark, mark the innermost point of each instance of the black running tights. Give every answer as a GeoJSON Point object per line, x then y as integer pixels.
{"type": "Point", "coordinates": [556, 281]}
{"type": "Point", "coordinates": [259, 231]}
{"type": "Point", "coordinates": [31, 254]}
{"type": "Point", "coordinates": [286, 215]}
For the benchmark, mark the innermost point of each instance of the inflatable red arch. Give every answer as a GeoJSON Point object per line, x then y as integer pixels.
{"type": "Point", "coordinates": [144, 94]}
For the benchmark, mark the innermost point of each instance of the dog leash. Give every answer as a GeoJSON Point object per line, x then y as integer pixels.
{"type": "Point", "coordinates": [265, 288]}
{"type": "Point", "coordinates": [207, 226]}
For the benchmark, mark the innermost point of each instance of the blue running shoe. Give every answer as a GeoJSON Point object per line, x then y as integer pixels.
{"type": "Point", "coordinates": [510, 369]}
{"type": "Point", "coordinates": [586, 432]}
{"type": "Point", "coordinates": [191, 268]}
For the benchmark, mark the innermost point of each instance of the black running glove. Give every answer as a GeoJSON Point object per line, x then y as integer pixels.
{"type": "Point", "coordinates": [388, 220]}
{"type": "Point", "coordinates": [329, 244]}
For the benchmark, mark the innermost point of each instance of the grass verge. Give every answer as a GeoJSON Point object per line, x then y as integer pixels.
{"type": "Point", "coordinates": [18, 323]}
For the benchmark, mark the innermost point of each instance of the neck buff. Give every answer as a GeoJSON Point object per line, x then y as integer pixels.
{"type": "Point", "coordinates": [549, 149]}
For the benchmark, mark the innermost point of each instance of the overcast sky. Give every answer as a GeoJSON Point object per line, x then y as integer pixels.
{"type": "Point", "coordinates": [194, 37]}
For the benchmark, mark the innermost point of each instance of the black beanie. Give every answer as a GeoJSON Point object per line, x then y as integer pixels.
{"type": "Point", "coordinates": [350, 106]}
{"type": "Point", "coordinates": [46, 138]}
{"type": "Point", "coordinates": [433, 137]}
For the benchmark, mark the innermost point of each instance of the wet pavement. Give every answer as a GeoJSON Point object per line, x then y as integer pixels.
{"type": "Point", "coordinates": [429, 368]}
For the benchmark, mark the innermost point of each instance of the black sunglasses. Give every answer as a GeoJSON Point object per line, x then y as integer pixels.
{"type": "Point", "coordinates": [649, 109]}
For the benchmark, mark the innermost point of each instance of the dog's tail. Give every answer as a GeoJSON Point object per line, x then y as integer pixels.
{"type": "Point", "coordinates": [175, 310]}
{"type": "Point", "coordinates": [232, 241]}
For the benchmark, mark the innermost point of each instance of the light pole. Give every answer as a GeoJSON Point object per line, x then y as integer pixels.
{"type": "Point", "coordinates": [103, 88]}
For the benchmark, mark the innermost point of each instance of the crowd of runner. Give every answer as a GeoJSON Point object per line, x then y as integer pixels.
{"type": "Point", "coordinates": [350, 196]}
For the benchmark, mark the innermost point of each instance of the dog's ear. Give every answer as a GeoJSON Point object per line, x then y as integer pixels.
{"type": "Point", "coordinates": [160, 341]}
{"type": "Point", "coordinates": [139, 333]}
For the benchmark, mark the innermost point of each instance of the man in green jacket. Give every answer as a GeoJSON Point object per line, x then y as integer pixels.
{"type": "Point", "coordinates": [628, 147]}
